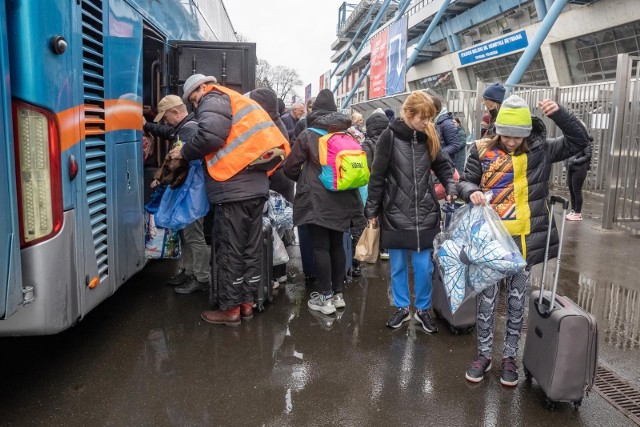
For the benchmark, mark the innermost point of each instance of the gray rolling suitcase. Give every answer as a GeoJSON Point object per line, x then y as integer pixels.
{"type": "Point", "coordinates": [561, 349]}
{"type": "Point", "coordinates": [464, 319]}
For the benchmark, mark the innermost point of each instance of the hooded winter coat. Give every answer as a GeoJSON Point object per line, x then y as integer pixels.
{"type": "Point", "coordinates": [268, 100]}
{"type": "Point", "coordinates": [523, 180]}
{"type": "Point", "coordinates": [580, 161]}
{"type": "Point", "coordinates": [448, 134]}
{"type": "Point", "coordinates": [214, 124]}
{"type": "Point", "coordinates": [313, 203]}
{"type": "Point", "coordinates": [401, 193]}
{"type": "Point", "coordinates": [375, 125]}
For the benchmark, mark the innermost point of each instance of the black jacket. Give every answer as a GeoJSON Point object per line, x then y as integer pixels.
{"type": "Point", "coordinates": [184, 131]}
{"type": "Point", "coordinates": [289, 123]}
{"type": "Point", "coordinates": [534, 185]}
{"type": "Point", "coordinates": [214, 124]}
{"type": "Point", "coordinates": [401, 193]}
{"type": "Point", "coordinates": [268, 100]}
{"type": "Point", "coordinates": [376, 124]}
{"type": "Point", "coordinates": [580, 161]}
{"type": "Point", "coordinates": [313, 203]}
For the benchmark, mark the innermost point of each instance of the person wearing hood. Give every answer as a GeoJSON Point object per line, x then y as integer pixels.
{"type": "Point", "coordinates": [447, 132]}
{"type": "Point", "coordinates": [577, 168]}
{"type": "Point", "coordinates": [492, 99]}
{"type": "Point", "coordinates": [515, 166]}
{"type": "Point", "coordinates": [278, 181]}
{"type": "Point", "coordinates": [328, 214]}
{"type": "Point", "coordinates": [402, 201]}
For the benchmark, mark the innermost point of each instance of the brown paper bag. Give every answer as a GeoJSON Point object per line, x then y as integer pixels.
{"type": "Point", "coordinates": [368, 246]}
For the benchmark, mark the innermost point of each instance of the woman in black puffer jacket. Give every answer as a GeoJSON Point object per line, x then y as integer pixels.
{"type": "Point", "coordinates": [402, 199]}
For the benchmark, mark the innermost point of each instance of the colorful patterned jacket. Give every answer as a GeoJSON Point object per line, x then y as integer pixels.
{"type": "Point", "coordinates": [520, 183]}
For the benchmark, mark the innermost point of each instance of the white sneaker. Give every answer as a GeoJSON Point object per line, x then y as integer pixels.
{"type": "Point", "coordinates": [384, 255]}
{"type": "Point", "coordinates": [338, 300]}
{"type": "Point", "coordinates": [319, 303]}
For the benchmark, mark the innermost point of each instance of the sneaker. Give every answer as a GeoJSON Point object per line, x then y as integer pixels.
{"type": "Point", "coordinates": [275, 284]}
{"type": "Point", "coordinates": [179, 278]}
{"type": "Point", "coordinates": [338, 300]}
{"type": "Point", "coordinates": [424, 318]}
{"type": "Point", "coordinates": [574, 217]}
{"type": "Point", "coordinates": [282, 279]}
{"type": "Point", "coordinates": [477, 369]}
{"type": "Point", "coordinates": [229, 317]}
{"type": "Point", "coordinates": [319, 302]}
{"type": "Point", "coordinates": [191, 286]}
{"type": "Point", "coordinates": [384, 255]}
{"type": "Point", "coordinates": [400, 316]}
{"type": "Point", "coordinates": [509, 375]}
{"type": "Point", "coordinates": [246, 310]}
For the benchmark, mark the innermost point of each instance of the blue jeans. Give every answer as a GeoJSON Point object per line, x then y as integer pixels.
{"type": "Point", "coordinates": [422, 270]}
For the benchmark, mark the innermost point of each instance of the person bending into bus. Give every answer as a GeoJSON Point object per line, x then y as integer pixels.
{"type": "Point", "coordinates": [180, 126]}
{"type": "Point", "coordinates": [237, 191]}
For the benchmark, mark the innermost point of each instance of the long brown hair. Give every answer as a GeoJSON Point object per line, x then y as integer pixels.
{"type": "Point", "coordinates": [418, 103]}
{"type": "Point", "coordinates": [495, 141]}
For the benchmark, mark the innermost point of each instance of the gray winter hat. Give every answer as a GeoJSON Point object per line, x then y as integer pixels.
{"type": "Point", "coordinates": [194, 82]}
{"type": "Point", "coordinates": [514, 118]}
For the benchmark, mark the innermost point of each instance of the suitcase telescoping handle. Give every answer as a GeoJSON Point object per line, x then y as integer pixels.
{"type": "Point", "coordinates": [565, 206]}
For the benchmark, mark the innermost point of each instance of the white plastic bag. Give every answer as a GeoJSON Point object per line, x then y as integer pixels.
{"type": "Point", "coordinates": [280, 255]}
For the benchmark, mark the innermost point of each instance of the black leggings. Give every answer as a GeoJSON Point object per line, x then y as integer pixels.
{"type": "Point", "coordinates": [576, 179]}
{"type": "Point", "coordinates": [328, 258]}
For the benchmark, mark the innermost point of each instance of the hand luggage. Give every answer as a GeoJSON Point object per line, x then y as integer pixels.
{"type": "Point", "coordinates": [561, 349]}
{"type": "Point", "coordinates": [265, 287]}
{"type": "Point", "coordinates": [464, 319]}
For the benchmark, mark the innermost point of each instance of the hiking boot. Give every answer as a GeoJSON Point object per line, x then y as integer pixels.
{"type": "Point", "coordinates": [246, 310]}
{"type": "Point", "coordinates": [424, 318]}
{"type": "Point", "coordinates": [509, 375]}
{"type": "Point", "coordinates": [321, 303]}
{"type": "Point", "coordinates": [179, 278]}
{"type": "Point", "coordinates": [479, 365]}
{"type": "Point", "coordinates": [229, 317]}
{"type": "Point", "coordinates": [338, 300]}
{"type": "Point", "coordinates": [400, 316]}
{"type": "Point", "coordinates": [384, 255]}
{"type": "Point", "coordinates": [191, 286]}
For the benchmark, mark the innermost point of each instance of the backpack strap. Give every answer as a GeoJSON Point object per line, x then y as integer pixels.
{"type": "Point", "coordinates": [320, 132]}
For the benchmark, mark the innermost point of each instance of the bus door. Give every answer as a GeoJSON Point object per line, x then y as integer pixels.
{"type": "Point", "coordinates": [10, 270]}
{"type": "Point", "coordinates": [232, 64]}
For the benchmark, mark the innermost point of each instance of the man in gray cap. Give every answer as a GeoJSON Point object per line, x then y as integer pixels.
{"type": "Point", "coordinates": [180, 126]}
{"type": "Point", "coordinates": [237, 190]}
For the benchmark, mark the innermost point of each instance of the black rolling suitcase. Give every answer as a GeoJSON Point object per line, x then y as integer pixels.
{"type": "Point", "coordinates": [464, 319]}
{"type": "Point", "coordinates": [561, 349]}
{"type": "Point", "coordinates": [265, 287]}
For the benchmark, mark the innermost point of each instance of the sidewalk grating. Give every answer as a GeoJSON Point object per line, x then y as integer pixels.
{"type": "Point", "coordinates": [620, 393]}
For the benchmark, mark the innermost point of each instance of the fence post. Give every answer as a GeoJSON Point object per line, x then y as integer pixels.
{"type": "Point", "coordinates": [621, 93]}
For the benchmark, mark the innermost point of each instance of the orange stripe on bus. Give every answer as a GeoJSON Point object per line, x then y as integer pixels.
{"type": "Point", "coordinates": [119, 114]}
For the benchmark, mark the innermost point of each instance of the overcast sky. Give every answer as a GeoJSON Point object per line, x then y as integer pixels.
{"type": "Point", "coordinates": [293, 33]}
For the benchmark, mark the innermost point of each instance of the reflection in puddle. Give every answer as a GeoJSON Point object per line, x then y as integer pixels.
{"type": "Point", "coordinates": [617, 309]}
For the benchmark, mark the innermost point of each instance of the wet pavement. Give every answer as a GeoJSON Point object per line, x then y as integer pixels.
{"type": "Point", "coordinates": [144, 357]}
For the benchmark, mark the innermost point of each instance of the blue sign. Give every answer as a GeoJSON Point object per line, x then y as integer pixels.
{"type": "Point", "coordinates": [397, 57]}
{"type": "Point", "coordinates": [494, 48]}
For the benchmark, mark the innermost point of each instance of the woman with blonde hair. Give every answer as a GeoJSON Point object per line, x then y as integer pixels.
{"type": "Point", "coordinates": [402, 200]}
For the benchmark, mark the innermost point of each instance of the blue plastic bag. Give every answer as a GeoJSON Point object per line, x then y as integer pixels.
{"type": "Point", "coordinates": [159, 242]}
{"type": "Point", "coordinates": [183, 205]}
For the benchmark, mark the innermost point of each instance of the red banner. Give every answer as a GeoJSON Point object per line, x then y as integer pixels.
{"type": "Point", "coordinates": [378, 72]}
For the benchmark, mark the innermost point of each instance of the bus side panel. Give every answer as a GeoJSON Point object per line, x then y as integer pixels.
{"type": "Point", "coordinates": [55, 307]}
{"type": "Point", "coordinates": [123, 53]}
{"type": "Point", "coordinates": [10, 269]}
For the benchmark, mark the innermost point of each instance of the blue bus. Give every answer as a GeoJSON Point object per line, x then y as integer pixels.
{"type": "Point", "coordinates": [76, 75]}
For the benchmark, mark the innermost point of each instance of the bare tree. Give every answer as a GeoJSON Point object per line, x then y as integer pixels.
{"type": "Point", "coordinates": [282, 80]}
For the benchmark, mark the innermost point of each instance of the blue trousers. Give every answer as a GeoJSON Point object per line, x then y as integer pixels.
{"type": "Point", "coordinates": [422, 270]}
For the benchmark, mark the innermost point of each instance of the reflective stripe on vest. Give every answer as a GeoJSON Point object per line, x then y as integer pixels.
{"type": "Point", "coordinates": [252, 134]}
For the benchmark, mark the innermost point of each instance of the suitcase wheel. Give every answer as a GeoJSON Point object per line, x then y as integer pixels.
{"type": "Point", "coordinates": [454, 330]}
{"type": "Point", "coordinates": [550, 404]}
{"type": "Point", "coordinates": [577, 404]}
{"type": "Point", "coordinates": [260, 308]}
{"type": "Point", "coordinates": [527, 374]}
{"type": "Point", "coordinates": [470, 329]}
